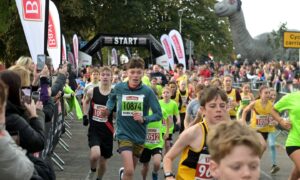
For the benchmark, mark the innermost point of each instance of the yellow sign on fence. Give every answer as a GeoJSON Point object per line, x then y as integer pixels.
{"type": "Point", "coordinates": [291, 39]}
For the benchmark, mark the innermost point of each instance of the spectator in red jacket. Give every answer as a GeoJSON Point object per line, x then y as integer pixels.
{"type": "Point", "coordinates": [204, 71]}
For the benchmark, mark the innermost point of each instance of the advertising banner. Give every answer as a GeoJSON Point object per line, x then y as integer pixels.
{"type": "Point", "coordinates": [32, 15]}
{"type": "Point", "coordinates": [166, 43]}
{"type": "Point", "coordinates": [75, 51]}
{"type": "Point", "coordinates": [63, 49]}
{"type": "Point", "coordinates": [177, 44]}
{"type": "Point", "coordinates": [54, 36]}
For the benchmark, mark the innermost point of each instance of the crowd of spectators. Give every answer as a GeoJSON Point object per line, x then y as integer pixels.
{"type": "Point", "coordinates": [284, 76]}
{"type": "Point", "coordinates": [23, 117]}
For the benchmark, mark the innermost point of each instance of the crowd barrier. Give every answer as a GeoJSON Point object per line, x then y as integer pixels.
{"type": "Point", "coordinates": [53, 132]}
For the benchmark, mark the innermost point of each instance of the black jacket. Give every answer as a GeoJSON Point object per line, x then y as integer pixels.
{"type": "Point", "coordinates": [163, 77]}
{"type": "Point", "coordinates": [30, 131]}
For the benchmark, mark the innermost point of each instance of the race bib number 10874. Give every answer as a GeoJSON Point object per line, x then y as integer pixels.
{"type": "Point", "coordinates": [132, 104]}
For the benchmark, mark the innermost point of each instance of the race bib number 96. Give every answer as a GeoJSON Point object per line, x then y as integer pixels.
{"type": "Point", "coordinates": [132, 104]}
{"type": "Point", "coordinates": [202, 169]}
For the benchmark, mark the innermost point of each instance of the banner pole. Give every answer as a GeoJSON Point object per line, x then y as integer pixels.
{"type": "Point", "coordinates": [46, 26]}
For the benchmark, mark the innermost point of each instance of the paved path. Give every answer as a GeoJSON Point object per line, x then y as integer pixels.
{"type": "Point", "coordinates": [77, 164]}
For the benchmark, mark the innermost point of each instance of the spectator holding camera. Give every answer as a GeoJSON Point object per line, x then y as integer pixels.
{"type": "Point", "coordinates": [12, 158]}
{"type": "Point", "coordinates": [21, 117]}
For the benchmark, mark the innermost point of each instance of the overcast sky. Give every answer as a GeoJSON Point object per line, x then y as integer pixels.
{"type": "Point", "coordinates": [267, 15]}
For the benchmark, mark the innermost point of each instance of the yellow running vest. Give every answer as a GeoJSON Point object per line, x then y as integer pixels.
{"type": "Point", "coordinates": [232, 97]}
{"type": "Point", "coordinates": [195, 164]}
{"type": "Point", "coordinates": [260, 119]}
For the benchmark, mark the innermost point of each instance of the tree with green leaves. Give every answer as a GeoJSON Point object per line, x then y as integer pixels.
{"type": "Point", "coordinates": [88, 18]}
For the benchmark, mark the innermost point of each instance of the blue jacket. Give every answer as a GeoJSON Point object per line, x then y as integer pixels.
{"type": "Point", "coordinates": [127, 127]}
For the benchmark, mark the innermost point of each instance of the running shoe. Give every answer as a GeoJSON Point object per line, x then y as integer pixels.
{"type": "Point", "coordinates": [121, 172]}
{"type": "Point", "coordinates": [274, 169]}
{"type": "Point", "coordinates": [154, 176]}
{"type": "Point", "coordinates": [90, 175]}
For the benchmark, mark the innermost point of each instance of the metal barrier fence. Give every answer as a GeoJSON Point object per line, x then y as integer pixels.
{"type": "Point", "coordinates": [53, 131]}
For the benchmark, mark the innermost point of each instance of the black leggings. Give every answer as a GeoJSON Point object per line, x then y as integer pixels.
{"type": "Point", "coordinates": [182, 116]}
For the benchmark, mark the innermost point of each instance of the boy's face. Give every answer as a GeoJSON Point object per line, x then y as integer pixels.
{"type": "Point", "coordinates": [166, 94]}
{"type": "Point", "coordinates": [135, 76]}
{"type": "Point", "coordinates": [179, 69]}
{"type": "Point", "coordinates": [240, 164]}
{"type": "Point", "coordinates": [215, 111]}
{"type": "Point", "coordinates": [227, 82]}
{"type": "Point", "coordinates": [95, 76]}
{"type": "Point", "coordinates": [154, 82]}
{"type": "Point", "coordinates": [156, 68]}
{"type": "Point", "coordinates": [105, 77]}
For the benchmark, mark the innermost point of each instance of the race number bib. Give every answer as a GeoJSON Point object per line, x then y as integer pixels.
{"type": "Point", "coordinates": [184, 99]}
{"type": "Point", "coordinates": [230, 100]}
{"type": "Point", "coordinates": [202, 169]}
{"type": "Point", "coordinates": [262, 121]}
{"type": "Point", "coordinates": [132, 104]}
{"type": "Point", "coordinates": [245, 102]}
{"type": "Point", "coordinates": [153, 136]}
{"type": "Point", "coordinates": [98, 113]}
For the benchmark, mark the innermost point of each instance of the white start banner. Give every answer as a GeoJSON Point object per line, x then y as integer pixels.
{"type": "Point", "coordinates": [75, 51]}
{"type": "Point", "coordinates": [54, 36]}
{"type": "Point", "coordinates": [166, 43]}
{"type": "Point", "coordinates": [32, 15]}
{"type": "Point", "coordinates": [114, 56]}
{"type": "Point", "coordinates": [177, 44]}
{"type": "Point", "coordinates": [63, 50]}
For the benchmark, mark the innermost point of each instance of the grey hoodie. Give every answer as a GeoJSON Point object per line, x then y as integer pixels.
{"type": "Point", "coordinates": [14, 164]}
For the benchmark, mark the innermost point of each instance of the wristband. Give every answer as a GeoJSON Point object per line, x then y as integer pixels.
{"type": "Point", "coordinates": [169, 174]}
